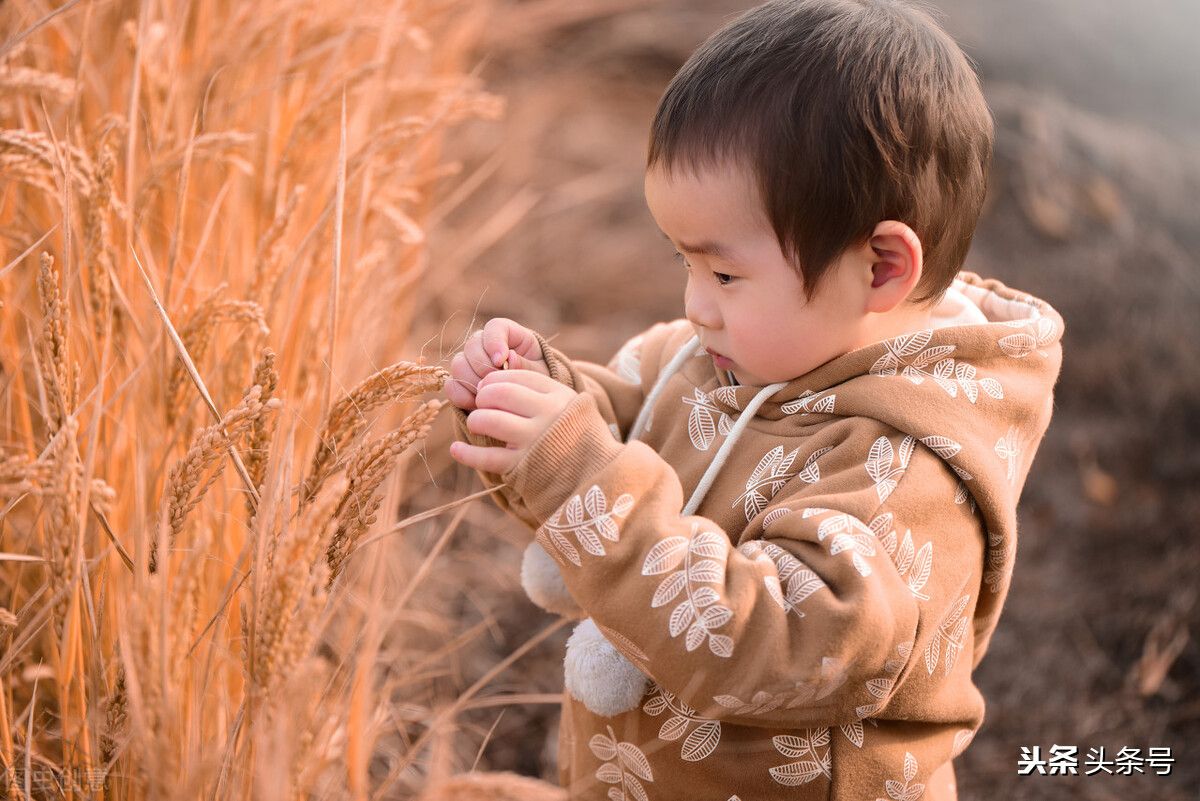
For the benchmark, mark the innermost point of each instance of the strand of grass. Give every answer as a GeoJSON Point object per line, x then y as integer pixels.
{"type": "Point", "coordinates": [417, 669]}
{"type": "Point", "coordinates": [49, 15]}
{"type": "Point", "coordinates": [185, 174]}
{"type": "Point", "coordinates": [457, 706]}
{"type": "Point", "coordinates": [206, 232]}
{"type": "Point", "coordinates": [339, 213]}
{"type": "Point", "coordinates": [509, 699]}
{"type": "Point", "coordinates": [230, 590]}
{"type": "Point", "coordinates": [197, 380]}
{"type": "Point", "coordinates": [427, 562]}
{"type": "Point", "coordinates": [28, 250]}
{"type": "Point", "coordinates": [7, 766]}
{"type": "Point", "coordinates": [20, 557]}
{"type": "Point", "coordinates": [29, 739]}
{"type": "Point", "coordinates": [487, 738]}
{"type": "Point", "coordinates": [33, 625]}
{"type": "Point", "coordinates": [423, 516]}
{"type": "Point", "coordinates": [113, 538]}
{"type": "Point", "coordinates": [464, 189]}
{"type": "Point", "coordinates": [131, 121]}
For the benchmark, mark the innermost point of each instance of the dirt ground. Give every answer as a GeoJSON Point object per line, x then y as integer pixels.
{"type": "Point", "coordinates": [1092, 206]}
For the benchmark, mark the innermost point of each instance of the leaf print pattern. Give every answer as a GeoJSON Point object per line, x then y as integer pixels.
{"type": "Point", "coordinates": [833, 676]}
{"type": "Point", "coordinates": [997, 561]}
{"type": "Point", "coordinates": [950, 631]}
{"type": "Point", "coordinates": [947, 449]}
{"type": "Point", "coordinates": [625, 766]}
{"type": "Point", "coordinates": [907, 356]}
{"type": "Point", "coordinates": [906, 790]}
{"type": "Point", "coordinates": [1021, 345]}
{"type": "Point", "coordinates": [845, 533]}
{"type": "Point", "coordinates": [783, 567]}
{"type": "Point", "coordinates": [881, 686]}
{"type": "Point", "coordinates": [627, 646]}
{"type": "Point", "coordinates": [880, 465]}
{"type": "Point", "coordinates": [913, 566]}
{"type": "Point", "coordinates": [770, 475]}
{"type": "Point", "coordinates": [705, 420]}
{"type": "Point", "coordinates": [963, 495]}
{"type": "Point", "coordinates": [700, 742]}
{"type": "Point", "coordinates": [813, 752]}
{"type": "Point", "coordinates": [586, 517]}
{"type": "Point", "coordinates": [810, 402]}
{"type": "Point", "coordinates": [703, 561]}
{"type": "Point", "coordinates": [1008, 448]}
{"type": "Point", "coordinates": [962, 738]}
{"type": "Point", "coordinates": [727, 396]}
{"type": "Point", "coordinates": [810, 474]}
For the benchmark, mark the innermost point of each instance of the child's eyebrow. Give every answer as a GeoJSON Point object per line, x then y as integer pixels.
{"type": "Point", "coordinates": [705, 248]}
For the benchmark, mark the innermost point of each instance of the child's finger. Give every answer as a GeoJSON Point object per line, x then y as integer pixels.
{"type": "Point", "coordinates": [502, 335]}
{"type": "Point", "coordinates": [509, 396]}
{"type": "Point", "coordinates": [538, 382]}
{"type": "Point", "coordinates": [489, 460]}
{"type": "Point", "coordinates": [499, 425]}
{"type": "Point", "coordinates": [519, 362]}
{"type": "Point", "coordinates": [476, 357]}
{"type": "Point", "coordinates": [460, 393]}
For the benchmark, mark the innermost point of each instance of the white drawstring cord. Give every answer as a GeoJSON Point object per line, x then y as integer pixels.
{"type": "Point", "coordinates": [685, 353]}
{"type": "Point", "coordinates": [714, 467]}
{"type": "Point", "coordinates": [743, 420]}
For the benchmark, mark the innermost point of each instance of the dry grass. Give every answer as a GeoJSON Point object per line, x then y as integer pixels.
{"type": "Point", "coordinates": [213, 221]}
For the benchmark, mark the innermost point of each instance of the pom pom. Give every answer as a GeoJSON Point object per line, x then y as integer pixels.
{"type": "Point", "coordinates": [543, 583]}
{"type": "Point", "coordinates": [599, 675]}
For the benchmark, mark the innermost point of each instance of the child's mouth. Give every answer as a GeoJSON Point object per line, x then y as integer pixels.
{"type": "Point", "coordinates": [721, 361]}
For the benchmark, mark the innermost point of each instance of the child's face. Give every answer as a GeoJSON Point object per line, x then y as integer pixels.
{"type": "Point", "coordinates": [744, 300]}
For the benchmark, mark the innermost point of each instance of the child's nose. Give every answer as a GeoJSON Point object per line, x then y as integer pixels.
{"type": "Point", "coordinates": [700, 310]}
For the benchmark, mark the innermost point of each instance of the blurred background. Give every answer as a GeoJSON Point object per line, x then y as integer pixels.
{"type": "Point", "coordinates": [1091, 206]}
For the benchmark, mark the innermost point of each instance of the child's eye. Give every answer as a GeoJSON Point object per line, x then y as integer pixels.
{"type": "Point", "coordinates": [723, 279]}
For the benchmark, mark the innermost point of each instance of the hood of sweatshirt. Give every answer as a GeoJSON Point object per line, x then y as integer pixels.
{"type": "Point", "coordinates": [977, 387]}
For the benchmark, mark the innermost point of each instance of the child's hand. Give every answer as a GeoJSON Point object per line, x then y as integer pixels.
{"type": "Point", "coordinates": [485, 352]}
{"type": "Point", "coordinates": [516, 407]}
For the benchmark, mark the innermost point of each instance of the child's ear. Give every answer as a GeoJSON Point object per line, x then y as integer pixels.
{"type": "Point", "coordinates": [895, 265]}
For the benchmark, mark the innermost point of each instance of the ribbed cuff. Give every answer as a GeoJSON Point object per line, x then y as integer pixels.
{"type": "Point", "coordinates": [560, 367]}
{"type": "Point", "coordinates": [576, 446]}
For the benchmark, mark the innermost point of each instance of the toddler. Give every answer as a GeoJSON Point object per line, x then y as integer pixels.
{"type": "Point", "coordinates": [793, 511]}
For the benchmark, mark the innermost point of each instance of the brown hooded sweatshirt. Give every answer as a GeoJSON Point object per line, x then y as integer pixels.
{"type": "Point", "coordinates": [810, 629]}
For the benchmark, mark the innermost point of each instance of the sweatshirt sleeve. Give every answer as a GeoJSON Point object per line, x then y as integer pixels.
{"type": "Point", "coordinates": [617, 388]}
{"type": "Point", "coordinates": [810, 622]}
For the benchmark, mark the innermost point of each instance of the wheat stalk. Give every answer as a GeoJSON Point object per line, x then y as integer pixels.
{"type": "Point", "coordinates": [347, 418]}
{"type": "Point", "coordinates": [368, 466]}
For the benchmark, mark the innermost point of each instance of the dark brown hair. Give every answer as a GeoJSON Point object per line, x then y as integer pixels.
{"type": "Point", "coordinates": [846, 113]}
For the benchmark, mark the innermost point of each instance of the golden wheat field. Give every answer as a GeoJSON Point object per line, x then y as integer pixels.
{"type": "Point", "coordinates": [239, 242]}
{"type": "Point", "coordinates": [213, 221]}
